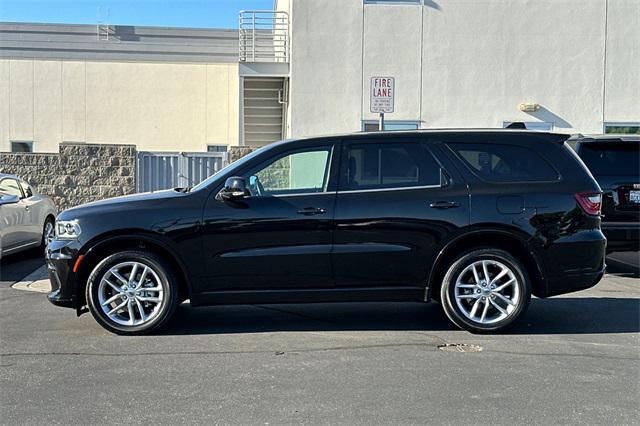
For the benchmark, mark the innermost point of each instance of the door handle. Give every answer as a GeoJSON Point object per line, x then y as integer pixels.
{"type": "Point", "coordinates": [26, 208]}
{"type": "Point", "coordinates": [309, 211]}
{"type": "Point", "coordinates": [444, 205]}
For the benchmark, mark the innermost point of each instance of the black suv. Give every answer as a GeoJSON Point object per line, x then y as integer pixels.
{"type": "Point", "coordinates": [614, 161]}
{"type": "Point", "coordinates": [479, 220]}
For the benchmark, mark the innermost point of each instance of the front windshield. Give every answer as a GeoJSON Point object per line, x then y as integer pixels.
{"type": "Point", "coordinates": [229, 167]}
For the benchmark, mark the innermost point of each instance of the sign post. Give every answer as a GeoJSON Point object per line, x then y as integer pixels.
{"type": "Point", "coordinates": [382, 93]}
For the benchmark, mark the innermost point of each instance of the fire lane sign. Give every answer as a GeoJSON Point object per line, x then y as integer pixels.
{"type": "Point", "coordinates": [382, 94]}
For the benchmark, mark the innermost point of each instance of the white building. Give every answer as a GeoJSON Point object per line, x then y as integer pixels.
{"type": "Point", "coordinates": [305, 69]}
{"type": "Point", "coordinates": [464, 63]}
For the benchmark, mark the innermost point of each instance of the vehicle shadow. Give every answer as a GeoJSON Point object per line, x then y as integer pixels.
{"type": "Point", "coordinates": [624, 264]}
{"type": "Point", "coordinates": [566, 315]}
{"type": "Point", "coordinates": [14, 267]}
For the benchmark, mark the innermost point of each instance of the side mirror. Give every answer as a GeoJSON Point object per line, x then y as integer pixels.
{"type": "Point", "coordinates": [8, 199]}
{"type": "Point", "coordinates": [235, 187]}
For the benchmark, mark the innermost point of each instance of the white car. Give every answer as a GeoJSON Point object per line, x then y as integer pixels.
{"type": "Point", "coordinates": [27, 219]}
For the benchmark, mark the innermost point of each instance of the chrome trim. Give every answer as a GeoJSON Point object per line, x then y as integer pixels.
{"type": "Point", "coordinates": [398, 188]}
{"type": "Point", "coordinates": [297, 194]}
{"type": "Point", "coordinates": [20, 247]}
{"type": "Point", "coordinates": [59, 256]}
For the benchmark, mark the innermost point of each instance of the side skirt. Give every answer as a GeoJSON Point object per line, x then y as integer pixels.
{"type": "Point", "coordinates": [360, 294]}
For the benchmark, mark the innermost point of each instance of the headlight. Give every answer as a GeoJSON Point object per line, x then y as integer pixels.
{"type": "Point", "coordinates": [67, 229]}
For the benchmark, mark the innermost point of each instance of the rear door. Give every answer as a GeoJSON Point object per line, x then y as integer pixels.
{"type": "Point", "coordinates": [396, 203]}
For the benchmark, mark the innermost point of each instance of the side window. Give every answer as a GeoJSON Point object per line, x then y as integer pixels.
{"type": "Point", "coordinates": [28, 192]}
{"type": "Point", "coordinates": [294, 173]}
{"type": "Point", "coordinates": [389, 165]}
{"type": "Point", "coordinates": [10, 187]}
{"type": "Point", "coordinates": [505, 163]}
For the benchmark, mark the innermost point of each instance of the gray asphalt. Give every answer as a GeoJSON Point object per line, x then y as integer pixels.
{"type": "Point", "coordinates": [19, 265]}
{"type": "Point", "coordinates": [572, 359]}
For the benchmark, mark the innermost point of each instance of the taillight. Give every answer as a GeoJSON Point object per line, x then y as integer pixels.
{"type": "Point", "coordinates": [591, 202]}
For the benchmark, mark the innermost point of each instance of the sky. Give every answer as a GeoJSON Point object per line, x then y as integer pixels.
{"type": "Point", "coordinates": [171, 13]}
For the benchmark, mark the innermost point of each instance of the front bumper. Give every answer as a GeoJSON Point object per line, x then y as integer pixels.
{"type": "Point", "coordinates": [60, 257]}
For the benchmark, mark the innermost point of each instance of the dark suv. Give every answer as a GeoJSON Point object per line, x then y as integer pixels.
{"type": "Point", "coordinates": [479, 220]}
{"type": "Point", "coordinates": [614, 161]}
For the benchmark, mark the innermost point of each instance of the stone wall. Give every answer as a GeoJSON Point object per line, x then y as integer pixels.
{"type": "Point", "coordinates": [78, 174]}
{"type": "Point", "coordinates": [237, 152]}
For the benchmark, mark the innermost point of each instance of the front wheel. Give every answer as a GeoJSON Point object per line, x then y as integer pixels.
{"type": "Point", "coordinates": [485, 290]}
{"type": "Point", "coordinates": [132, 292]}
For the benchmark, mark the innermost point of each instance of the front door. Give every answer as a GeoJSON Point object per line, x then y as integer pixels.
{"type": "Point", "coordinates": [280, 236]}
{"type": "Point", "coordinates": [395, 205]}
{"type": "Point", "coordinates": [14, 229]}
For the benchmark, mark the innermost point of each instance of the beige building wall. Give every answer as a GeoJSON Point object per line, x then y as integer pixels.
{"type": "Point", "coordinates": [465, 63]}
{"type": "Point", "coordinates": [325, 94]}
{"type": "Point", "coordinates": [156, 106]}
{"type": "Point", "coordinates": [622, 75]}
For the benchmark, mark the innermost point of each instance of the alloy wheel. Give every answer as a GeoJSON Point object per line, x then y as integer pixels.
{"type": "Point", "coordinates": [487, 291]}
{"type": "Point", "coordinates": [131, 293]}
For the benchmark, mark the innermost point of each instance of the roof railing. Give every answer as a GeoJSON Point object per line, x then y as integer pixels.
{"type": "Point", "coordinates": [264, 36]}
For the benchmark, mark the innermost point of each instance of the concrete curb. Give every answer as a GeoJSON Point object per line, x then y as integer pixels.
{"type": "Point", "coordinates": [36, 281]}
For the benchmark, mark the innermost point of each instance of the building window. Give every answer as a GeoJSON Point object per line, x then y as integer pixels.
{"type": "Point", "coordinates": [217, 148]}
{"type": "Point", "coordinates": [542, 126]}
{"type": "Point", "coordinates": [22, 146]}
{"type": "Point", "coordinates": [373, 125]}
{"type": "Point", "coordinates": [622, 128]}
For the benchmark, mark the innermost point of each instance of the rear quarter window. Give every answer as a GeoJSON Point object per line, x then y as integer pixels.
{"type": "Point", "coordinates": [505, 163]}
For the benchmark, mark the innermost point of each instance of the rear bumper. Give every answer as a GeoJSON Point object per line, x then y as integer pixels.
{"type": "Point", "coordinates": [622, 236]}
{"type": "Point", "coordinates": [574, 282]}
{"type": "Point", "coordinates": [574, 263]}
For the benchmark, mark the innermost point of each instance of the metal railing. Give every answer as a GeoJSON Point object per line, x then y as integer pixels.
{"type": "Point", "coordinates": [164, 170]}
{"type": "Point", "coordinates": [264, 36]}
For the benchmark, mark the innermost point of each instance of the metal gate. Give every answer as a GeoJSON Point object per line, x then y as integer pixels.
{"type": "Point", "coordinates": [164, 170]}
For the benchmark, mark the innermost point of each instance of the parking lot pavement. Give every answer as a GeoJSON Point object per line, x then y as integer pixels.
{"type": "Point", "coordinates": [17, 266]}
{"type": "Point", "coordinates": [571, 359]}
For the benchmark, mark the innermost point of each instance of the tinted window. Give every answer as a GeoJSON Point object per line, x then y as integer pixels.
{"type": "Point", "coordinates": [28, 192]}
{"type": "Point", "coordinates": [300, 172]}
{"type": "Point", "coordinates": [374, 165]}
{"type": "Point", "coordinates": [10, 187]}
{"type": "Point", "coordinates": [21, 146]}
{"type": "Point", "coordinates": [622, 129]}
{"type": "Point", "coordinates": [611, 159]}
{"type": "Point", "coordinates": [505, 163]}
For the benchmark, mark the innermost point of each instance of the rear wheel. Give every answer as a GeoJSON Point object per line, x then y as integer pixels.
{"type": "Point", "coordinates": [132, 292]}
{"type": "Point", "coordinates": [485, 290]}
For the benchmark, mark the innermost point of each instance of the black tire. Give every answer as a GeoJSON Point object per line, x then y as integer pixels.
{"type": "Point", "coordinates": [450, 302]}
{"type": "Point", "coordinates": [48, 221]}
{"type": "Point", "coordinates": [167, 281]}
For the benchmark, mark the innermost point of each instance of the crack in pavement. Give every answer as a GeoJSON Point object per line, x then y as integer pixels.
{"type": "Point", "coordinates": [298, 351]}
